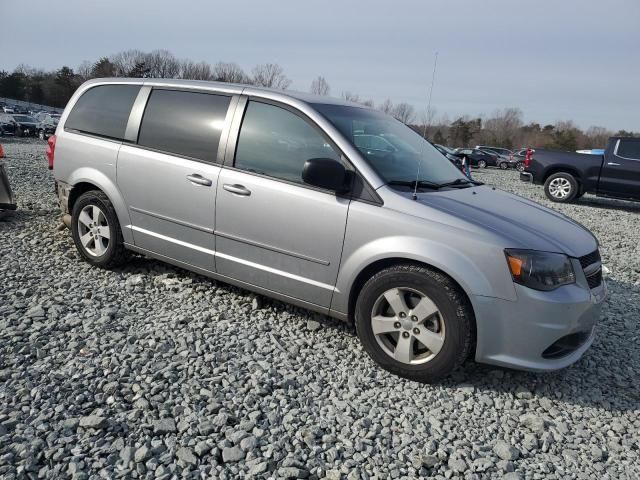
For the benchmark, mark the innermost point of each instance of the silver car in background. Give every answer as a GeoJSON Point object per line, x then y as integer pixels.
{"type": "Point", "coordinates": [331, 206]}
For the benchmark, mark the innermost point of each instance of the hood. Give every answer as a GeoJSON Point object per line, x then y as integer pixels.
{"type": "Point", "coordinates": [521, 222]}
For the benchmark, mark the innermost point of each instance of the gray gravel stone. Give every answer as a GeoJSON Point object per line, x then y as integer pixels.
{"type": "Point", "coordinates": [148, 341]}
{"type": "Point", "coordinates": [505, 451]}
{"type": "Point", "coordinates": [93, 421]}
{"type": "Point", "coordinates": [232, 454]}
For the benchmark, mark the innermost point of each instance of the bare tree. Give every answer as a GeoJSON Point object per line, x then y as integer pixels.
{"type": "Point", "coordinates": [404, 113]}
{"type": "Point", "coordinates": [350, 97]}
{"type": "Point", "coordinates": [320, 86]}
{"type": "Point", "coordinates": [162, 64]}
{"type": "Point", "coordinates": [386, 107]}
{"type": "Point", "coordinates": [85, 70]}
{"type": "Point", "coordinates": [503, 127]}
{"type": "Point", "coordinates": [195, 71]}
{"type": "Point", "coordinates": [270, 75]}
{"type": "Point", "coordinates": [128, 62]}
{"type": "Point", "coordinates": [229, 72]}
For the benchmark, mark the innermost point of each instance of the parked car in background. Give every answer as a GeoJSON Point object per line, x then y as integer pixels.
{"type": "Point", "coordinates": [478, 158]}
{"type": "Point", "coordinates": [26, 125]}
{"type": "Point", "coordinates": [568, 175]}
{"type": "Point", "coordinates": [8, 109]}
{"type": "Point", "coordinates": [47, 125]}
{"type": "Point", "coordinates": [8, 125]}
{"type": "Point", "coordinates": [430, 266]}
{"type": "Point", "coordinates": [502, 151]}
{"type": "Point", "coordinates": [449, 153]}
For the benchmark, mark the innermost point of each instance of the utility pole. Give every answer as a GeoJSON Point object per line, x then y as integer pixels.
{"type": "Point", "coordinates": [427, 123]}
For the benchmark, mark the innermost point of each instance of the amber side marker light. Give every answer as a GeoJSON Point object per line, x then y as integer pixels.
{"type": "Point", "coordinates": [515, 265]}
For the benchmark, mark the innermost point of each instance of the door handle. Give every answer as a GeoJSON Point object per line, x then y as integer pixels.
{"type": "Point", "coordinates": [613, 164]}
{"type": "Point", "coordinates": [199, 180]}
{"type": "Point", "coordinates": [237, 189]}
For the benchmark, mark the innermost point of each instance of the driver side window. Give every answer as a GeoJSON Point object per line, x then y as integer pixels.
{"type": "Point", "coordinates": [276, 142]}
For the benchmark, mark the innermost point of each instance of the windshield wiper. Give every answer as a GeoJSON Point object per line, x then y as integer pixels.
{"type": "Point", "coordinates": [460, 182]}
{"type": "Point", "coordinates": [414, 183]}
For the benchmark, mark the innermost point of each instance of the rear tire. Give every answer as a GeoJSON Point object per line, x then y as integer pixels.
{"type": "Point", "coordinates": [561, 187]}
{"type": "Point", "coordinates": [96, 230]}
{"type": "Point", "coordinates": [504, 165]}
{"type": "Point", "coordinates": [41, 135]}
{"type": "Point", "coordinates": [482, 164]}
{"type": "Point", "coordinates": [425, 305]}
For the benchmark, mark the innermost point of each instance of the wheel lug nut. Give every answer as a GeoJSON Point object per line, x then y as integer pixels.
{"type": "Point", "coordinates": [397, 325]}
{"type": "Point", "coordinates": [405, 334]}
{"type": "Point", "coordinates": [402, 314]}
{"type": "Point", "coordinates": [416, 331]}
{"type": "Point", "coordinates": [414, 318]}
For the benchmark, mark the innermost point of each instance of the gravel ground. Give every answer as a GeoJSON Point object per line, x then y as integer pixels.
{"type": "Point", "coordinates": [153, 372]}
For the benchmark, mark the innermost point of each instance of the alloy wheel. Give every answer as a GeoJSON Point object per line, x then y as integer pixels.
{"type": "Point", "coordinates": [408, 326]}
{"type": "Point", "coordinates": [93, 229]}
{"type": "Point", "coordinates": [560, 188]}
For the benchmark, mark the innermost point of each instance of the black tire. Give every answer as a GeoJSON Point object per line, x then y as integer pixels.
{"type": "Point", "coordinates": [566, 179]}
{"type": "Point", "coordinates": [504, 165]}
{"type": "Point", "coordinates": [41, 135]}
{"type": "Point", "coordinates": [482, 164]}
{"type": "Point", "coordinates": [456, 314]}
{"type": "Point", "coordinates": [520, 166]}
{"type": "Point", "coordinates": [115, 253]}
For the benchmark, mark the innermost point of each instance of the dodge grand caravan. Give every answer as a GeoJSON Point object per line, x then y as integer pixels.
{"type": "Point", "coordinates": [276, 192]}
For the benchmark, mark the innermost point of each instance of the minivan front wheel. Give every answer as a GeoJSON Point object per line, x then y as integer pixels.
{"type": "Point", "coordinates": [96, 230]}
{"type": "Point", "coordinates": [414, 322]}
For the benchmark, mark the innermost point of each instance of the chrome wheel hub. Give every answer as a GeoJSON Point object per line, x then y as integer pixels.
{"type": "Point", "coordinates": [93, 230]}
{"type": "Point", "coordinates": [408, 326]}
{"type": "Point", "coordinates": [559, 188]}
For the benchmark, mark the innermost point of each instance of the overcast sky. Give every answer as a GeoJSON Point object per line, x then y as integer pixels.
{"type": "Point", "coordinates": [556, 60]}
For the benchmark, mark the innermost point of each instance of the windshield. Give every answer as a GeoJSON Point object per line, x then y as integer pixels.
{"type": "Point", "coordinates": [394, 151]}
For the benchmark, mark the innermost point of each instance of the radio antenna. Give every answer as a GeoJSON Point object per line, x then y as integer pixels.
{"type": "Point", "coordinates": [426, 124]}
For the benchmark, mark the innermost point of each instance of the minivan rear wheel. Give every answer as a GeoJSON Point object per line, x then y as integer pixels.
{"type": "Point", "coordinates": [96, 230]}
{"type": "Point", "coordinates": [414, 322]}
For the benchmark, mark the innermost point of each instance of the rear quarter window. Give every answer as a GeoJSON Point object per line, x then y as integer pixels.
{"type": "Point", "coordinates": [629, 149]}
{"type": "Point", "coordinates": [103, 110]}
{"type": "Point", "coordinates": [184, 123]}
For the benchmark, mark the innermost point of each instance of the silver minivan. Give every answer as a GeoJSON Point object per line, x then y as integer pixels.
{"type": "Point", "coordinates": [331, 206]}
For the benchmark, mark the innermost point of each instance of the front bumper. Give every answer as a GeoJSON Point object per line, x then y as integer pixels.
{"type": "Point", "coordinates": [526, 333]}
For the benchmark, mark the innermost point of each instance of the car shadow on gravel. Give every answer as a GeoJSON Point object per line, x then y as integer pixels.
{"type": "Point", "coordinates": [609, 204]}
{"type": "Point", "coordinates": [599, 379]}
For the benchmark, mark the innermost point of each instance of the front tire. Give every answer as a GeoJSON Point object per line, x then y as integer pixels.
{"type": "Point", "coordinates": [414, 322]}
{"type": "Point", "coordinates": [561, 187]}
{"type": "Point", "coordinates": [41, 135]}
{"type": "Point", "coordinates": [520, 166]}
{"type": "Point", "coordinates": [504, 165]}
{"type": "Point", "coordinates": [96, 230]}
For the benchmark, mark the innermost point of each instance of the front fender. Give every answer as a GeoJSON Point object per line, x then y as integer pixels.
{"type": "Point", "coordinates": [111, 190]}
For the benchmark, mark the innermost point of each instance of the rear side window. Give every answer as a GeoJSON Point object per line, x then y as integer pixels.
{"type": "Point", "coordinates": [103, 110]}
{"type": "Point", "coordinates": [629, 149]}
{"type": "Point", "coordinates": [184, 123]}
{"type": "Point", "coordinates": [276, 142]}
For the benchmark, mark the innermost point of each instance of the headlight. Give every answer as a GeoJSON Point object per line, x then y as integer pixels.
{"type": "Point", "coordinates": [540, 270]}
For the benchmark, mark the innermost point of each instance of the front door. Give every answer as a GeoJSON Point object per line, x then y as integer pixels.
{"type": "Point", "coordinates": [272, 230]}
{"type": "Point", "coordinates": [620, 176]}
{"type": "Point", "coordinates": [169, 178]}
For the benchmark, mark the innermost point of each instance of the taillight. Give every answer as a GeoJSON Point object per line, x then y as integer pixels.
{"type": "Point", "coordinates": [527, 158]}
{"type": "Point", "coordinates": [51, 150]}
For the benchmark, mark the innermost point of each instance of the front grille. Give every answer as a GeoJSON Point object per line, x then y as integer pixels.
{"type": "Point", "coordinates": [590, 259]}
{"type": "Point", "coordinates": [594, 278]}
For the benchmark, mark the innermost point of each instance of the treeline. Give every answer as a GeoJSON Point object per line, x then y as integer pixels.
{"type": "Point", "coordinates": [504, 128]}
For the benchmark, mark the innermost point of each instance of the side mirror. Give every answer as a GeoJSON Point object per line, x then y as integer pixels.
{"type": "Point", "coordinates": [325, 173]}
